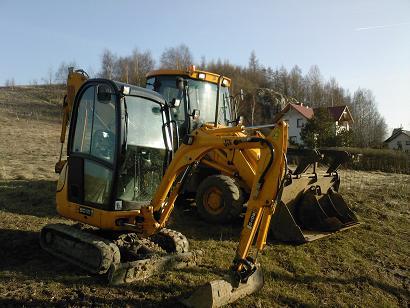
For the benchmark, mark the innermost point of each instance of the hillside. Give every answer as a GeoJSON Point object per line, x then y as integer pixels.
{"type": "Point", "coordinates": [365, 266]}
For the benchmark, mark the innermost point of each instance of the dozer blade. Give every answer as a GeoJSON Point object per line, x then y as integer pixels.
{"type": "Point", "coordinates": [218, 293]}
{"type": "Point", "coordinates": [143, 269]}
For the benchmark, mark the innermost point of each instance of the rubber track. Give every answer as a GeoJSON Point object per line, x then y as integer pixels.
{"type": "Point", "coordinates": [88, 251]}
{"type": "Point", "coordinates": [171, 241]}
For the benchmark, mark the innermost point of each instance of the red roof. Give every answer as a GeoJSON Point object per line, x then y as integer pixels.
{"type": "Point", "coordinates": [307, 112]}
{"type": "Point", "coordinates": [336, 112]}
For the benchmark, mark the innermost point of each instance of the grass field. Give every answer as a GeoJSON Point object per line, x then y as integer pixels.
{"type": "Point", "coordinates": [366, 266]}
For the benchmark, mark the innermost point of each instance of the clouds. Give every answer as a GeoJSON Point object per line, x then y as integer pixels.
{"type": "Point", "coordinates": [383, 26]}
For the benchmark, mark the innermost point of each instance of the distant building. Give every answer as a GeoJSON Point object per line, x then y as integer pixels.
{"type": "Point", "coordinates": [296, 115]}
{"type": "Point", "coordinates": [342, 117]}
{"type": "Point", "coordinates": [399, 140]}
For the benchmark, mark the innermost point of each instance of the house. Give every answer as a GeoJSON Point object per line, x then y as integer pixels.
{"type": "Point", "coordinates": [342, 117]}
{"type": "Point", "coordinates": [296, 115]}
{"type": "Point", "coordinates": [399, 140]}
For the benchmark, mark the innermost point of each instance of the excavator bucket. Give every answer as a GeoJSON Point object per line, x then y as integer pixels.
{"type": "Point", "coordinates": [218, 293]}
{"type": "Point", "coordinates": [311, 206]}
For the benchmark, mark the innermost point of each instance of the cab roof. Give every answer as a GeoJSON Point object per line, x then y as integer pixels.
{"type": "Point", "coordinates": [190, 72]}
{"type": "Point", "coordinates": [139, 91]}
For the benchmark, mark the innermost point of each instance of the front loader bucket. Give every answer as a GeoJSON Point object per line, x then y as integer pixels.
{"type": "Point", "coordinates": [310, 214]}
{"type": "Point", "coordinates": [311, 207]}
{"type": "Point", "coordinates": [218, 293]}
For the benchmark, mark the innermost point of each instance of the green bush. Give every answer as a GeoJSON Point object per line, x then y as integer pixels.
{"type": "Point", "coordinates": [368, 159]}
{"type": "Point", "coordinates": [379, 160]}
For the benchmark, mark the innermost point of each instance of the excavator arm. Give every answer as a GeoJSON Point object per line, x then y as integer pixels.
{"type": "Point", "coordinates": [75, 80]}
{"type": "Point", "coordinates": [265, 192]}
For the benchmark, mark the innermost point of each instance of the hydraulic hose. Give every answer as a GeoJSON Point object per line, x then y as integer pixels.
{"type": "Point", "coordinates": [269, 145]}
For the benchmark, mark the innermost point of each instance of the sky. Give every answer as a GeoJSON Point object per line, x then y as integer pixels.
{"type": "Point", "coordinates": [361, 43]}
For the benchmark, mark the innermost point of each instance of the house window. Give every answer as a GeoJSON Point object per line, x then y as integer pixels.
{"type": "Point", "coordinates": [300, 123]}
{"type": "Point", "coordinates": [292, 139]}
{"type": "Point", "coordinates": [407, 142]}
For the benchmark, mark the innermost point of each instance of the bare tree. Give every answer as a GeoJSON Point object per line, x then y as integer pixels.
{"type": "Point", "coordinates": [60, 76]}
{"type": "Point", "coordinates": [179, 57]}
{"type": "Point", "coordinates": [10, 82]}
{"type": "Point", "coordinates": [49, 77]}
{"type": "Point", "coordinates": [122, 69]}
{"type": "Point", "coordinates": [202, 65]}
{"type": "Point", "coordinates": [370, 127]}
{"type": "Point", "coordinates": [108, 60]}
{"type": "Point", "coordinates": [253, 62]}
{"type": "Point", "coordinates": [314, 83]}
{"type": "Point", "coordinates": [140, 65]}
{"type": "Point", "coordinates": [296, 86]}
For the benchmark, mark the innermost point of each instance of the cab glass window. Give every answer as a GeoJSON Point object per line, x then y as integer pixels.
{"type": "Point", "coordinates": [97, 183]}
{"type": "Point", "coordinates": [84, 124]}
{"type": "Point", "coordinates": [143, 165]}
{"type": "Point", "coordinates": [95, 126]}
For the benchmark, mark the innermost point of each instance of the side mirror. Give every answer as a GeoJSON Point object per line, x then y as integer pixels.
{"type": "Point", "coordinates": [175, 103]}
{"type": "Point", "coordinates": [104, 93]}
{"type": "Point", "coordinates": [195, 114]}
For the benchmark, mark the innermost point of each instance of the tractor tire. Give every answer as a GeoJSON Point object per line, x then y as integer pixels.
{"type": "Point", "coordinates": [219, 199]}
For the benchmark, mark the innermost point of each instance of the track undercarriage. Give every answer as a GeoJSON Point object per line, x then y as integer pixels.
{"type": "Point", "coordinates": [124, 257]}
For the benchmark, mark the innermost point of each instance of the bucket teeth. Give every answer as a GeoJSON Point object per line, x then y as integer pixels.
{"type": "Point", "coordinates": [218, 293]}
{"type": "Point", "coordinates": [310, 206]}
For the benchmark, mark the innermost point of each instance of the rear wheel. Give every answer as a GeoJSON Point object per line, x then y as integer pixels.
{"type": "Point", "coordinates": [219, 199]}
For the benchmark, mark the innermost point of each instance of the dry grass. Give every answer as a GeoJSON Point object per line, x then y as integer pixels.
{"type": "Point", "coordinates": [365, 266]}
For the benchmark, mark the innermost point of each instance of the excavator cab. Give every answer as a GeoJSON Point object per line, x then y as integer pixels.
{"type": "Point", "coordinates": [119, 145]}
{"type": "Point", "coordinates": [118, 148]}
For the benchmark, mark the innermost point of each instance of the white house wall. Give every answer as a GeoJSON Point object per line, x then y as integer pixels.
{"type": "Point", "coordinates": [405, 142]}
{"type": "Point", "coordinates": [291, 118]}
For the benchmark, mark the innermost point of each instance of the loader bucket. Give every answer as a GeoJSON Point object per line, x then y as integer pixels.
{"type": "Point", "coordinates": [218, 293]}
{"type": "Point", "coordinates": [311, 207]}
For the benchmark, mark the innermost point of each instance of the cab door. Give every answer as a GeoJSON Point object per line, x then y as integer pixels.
{"type": "Point", "coordinates": [92, 146]}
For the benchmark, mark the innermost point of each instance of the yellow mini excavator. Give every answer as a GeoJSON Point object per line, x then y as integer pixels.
{"type": "Point", "coordinates": [122, 176]}
{"type": "Point", "coordinates": [223, 180]}
{"type": "Point", "coordinates": [113, 183]}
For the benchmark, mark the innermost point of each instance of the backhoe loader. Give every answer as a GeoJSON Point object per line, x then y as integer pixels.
{"type": "Point", "coordinates": [223, 180]}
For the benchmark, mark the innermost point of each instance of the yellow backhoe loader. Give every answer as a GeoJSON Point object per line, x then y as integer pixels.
{"type": "Point", "coordinates": [223, 180]}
